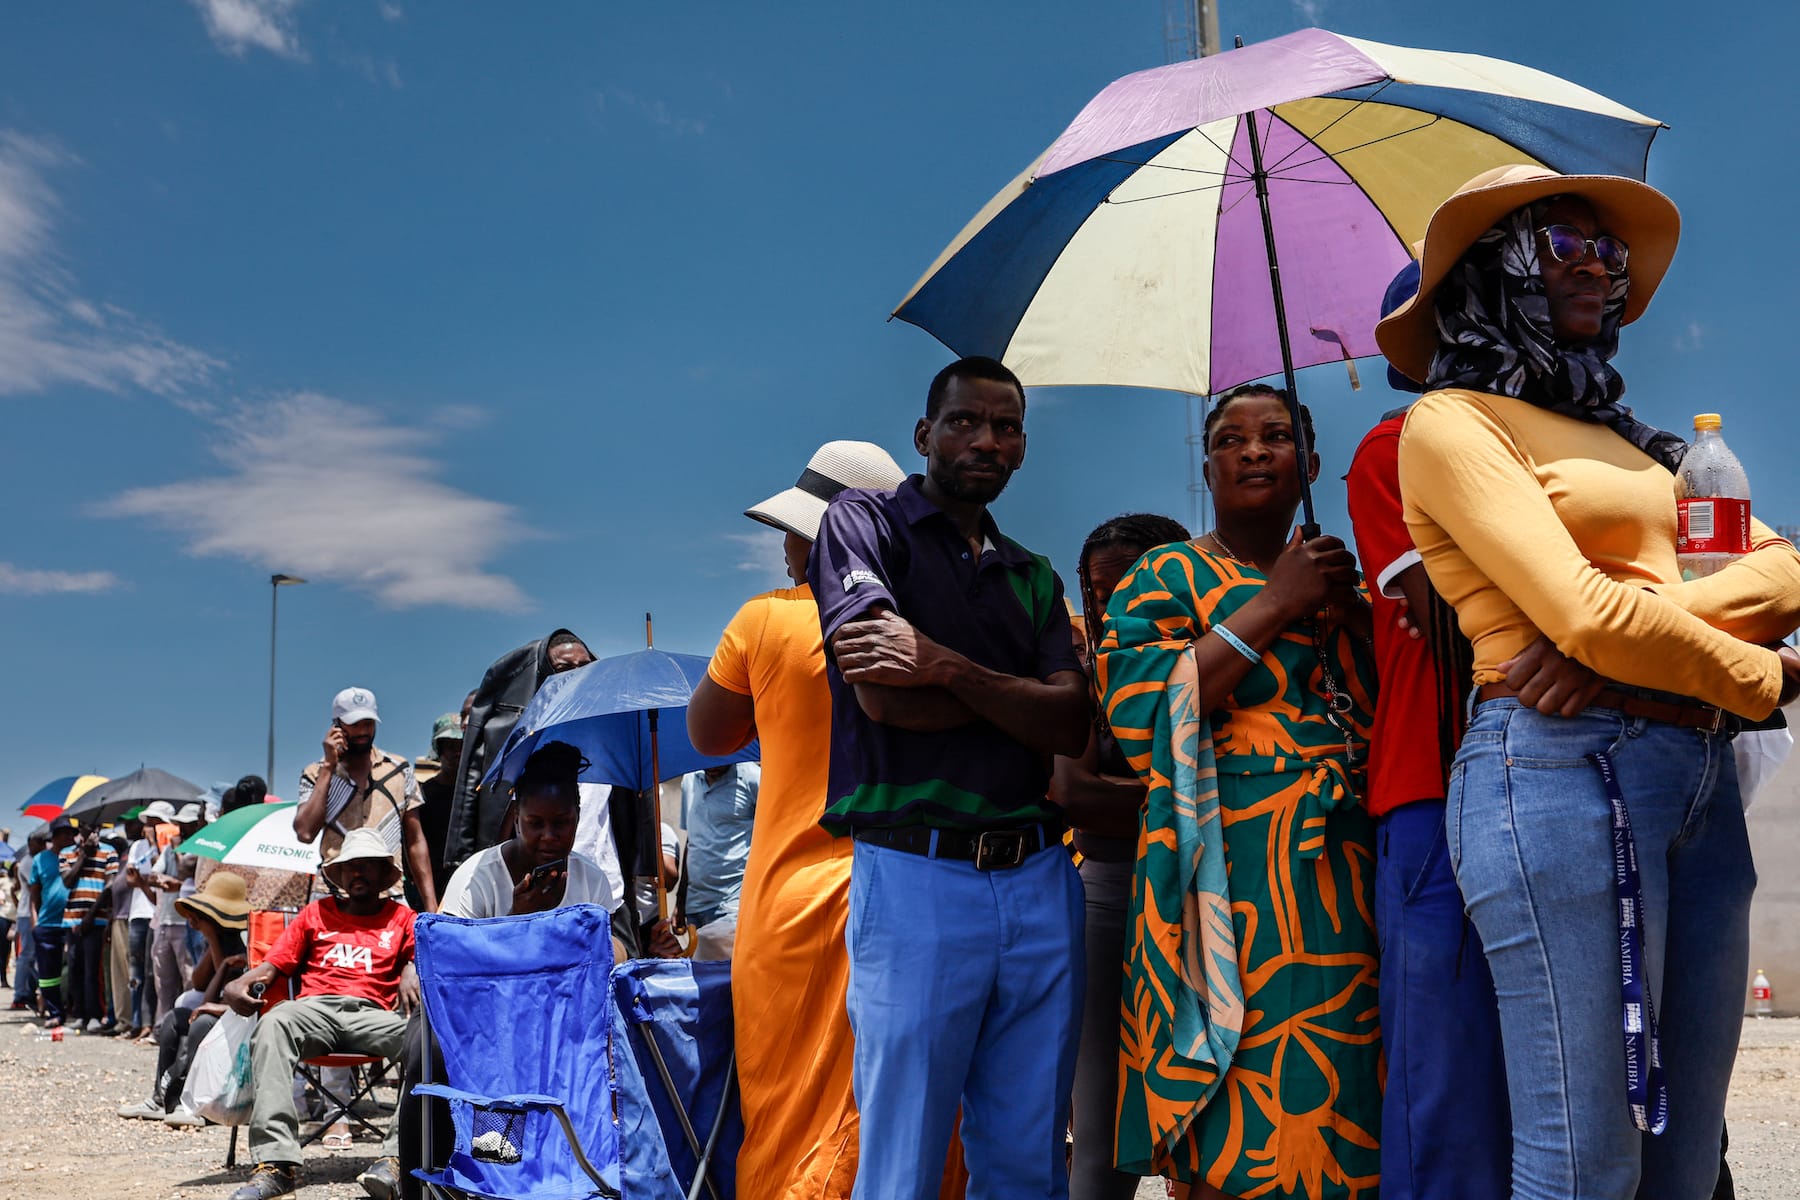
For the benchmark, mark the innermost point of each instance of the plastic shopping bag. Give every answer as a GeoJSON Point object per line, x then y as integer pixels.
{"type": "Point", "coordinates": [1760, 753]}
{"type": "Point", "coordinates": [218, 1082]}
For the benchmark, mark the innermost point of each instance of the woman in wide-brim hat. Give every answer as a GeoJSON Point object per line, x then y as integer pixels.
{"type": "Point", "coordinates": [220, 912]}
{"type": "Point", "coordinates": [1541, 505]}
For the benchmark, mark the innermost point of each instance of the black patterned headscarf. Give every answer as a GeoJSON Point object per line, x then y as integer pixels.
{"type": "Point", "coordinates": [1494, 335]}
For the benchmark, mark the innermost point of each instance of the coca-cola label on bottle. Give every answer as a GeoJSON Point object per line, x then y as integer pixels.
{"type": "Point", "coordinates": [1764, 992]}
{"type": "Point", "coordinates": [1712, 526]}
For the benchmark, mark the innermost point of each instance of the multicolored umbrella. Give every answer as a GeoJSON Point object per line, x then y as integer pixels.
{"type": "Point", "coordinates": [60, 793]}
{"type": "Point", "coordinates": [258, 835]}
{"type": "Point", "coordinates": [1138, 250]}
{"type": "Point", "coordinates": [43, 812]}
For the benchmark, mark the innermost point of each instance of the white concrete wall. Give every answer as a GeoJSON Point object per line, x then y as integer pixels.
{"type": "Point", "coordinates": [1774, 820]}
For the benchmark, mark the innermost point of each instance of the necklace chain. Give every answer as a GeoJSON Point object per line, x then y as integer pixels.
{"type": "Point", "coordinates": [1226, 547]}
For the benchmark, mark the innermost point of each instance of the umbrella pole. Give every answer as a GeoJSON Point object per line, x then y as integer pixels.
{"type": "Point", "coordinates": [662, 893]}
{"type": "Point", "coordinates": [1309, 528]}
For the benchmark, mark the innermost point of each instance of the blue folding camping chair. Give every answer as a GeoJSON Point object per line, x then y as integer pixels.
{"type": "Point", "coordinates": [520, 1008]}
{"type": "Point", "coordinates": [675, 1065]}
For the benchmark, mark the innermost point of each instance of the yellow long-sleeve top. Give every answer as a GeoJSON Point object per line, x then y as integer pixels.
{"type": "Point", "coordinates": [1531, 521]}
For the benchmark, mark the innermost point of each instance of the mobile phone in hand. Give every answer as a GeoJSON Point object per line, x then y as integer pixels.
{"type": "Point", "coordinates": [542, 875]}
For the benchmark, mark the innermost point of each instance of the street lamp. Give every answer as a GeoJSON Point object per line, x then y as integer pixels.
{"type": "Point", "coordinates": [276, 583]}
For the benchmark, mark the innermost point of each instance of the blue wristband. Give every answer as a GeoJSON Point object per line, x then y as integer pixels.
{"type": "Point", "coordinates": [1237, 643]}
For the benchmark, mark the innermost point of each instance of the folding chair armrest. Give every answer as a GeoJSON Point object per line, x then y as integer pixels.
{"type": "Point", "coordinates": [524, 1100]}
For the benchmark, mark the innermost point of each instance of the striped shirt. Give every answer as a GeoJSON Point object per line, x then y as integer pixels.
{"type": "Point", "coordinates": [97, 871]}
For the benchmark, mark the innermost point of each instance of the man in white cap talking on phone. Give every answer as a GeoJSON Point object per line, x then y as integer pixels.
{"type": "Point", "coordinates": [357, 785]}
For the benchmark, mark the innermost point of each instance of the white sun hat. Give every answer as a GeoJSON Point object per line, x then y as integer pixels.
{"type": "Point", "coordinates": [833, 467]}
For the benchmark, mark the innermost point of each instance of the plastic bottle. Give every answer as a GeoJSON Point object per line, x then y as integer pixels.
{"type": "Point", "coordinates": [1712, 503]}
{"type": "Point", "coordinates": [1762, 996]}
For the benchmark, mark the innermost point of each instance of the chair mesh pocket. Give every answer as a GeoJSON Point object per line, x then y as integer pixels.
{"type": "Point", "coordinates": [498, 1134]}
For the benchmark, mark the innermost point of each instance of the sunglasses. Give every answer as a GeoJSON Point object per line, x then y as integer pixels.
{"type": "Point", "coordinates": [1568, 246]}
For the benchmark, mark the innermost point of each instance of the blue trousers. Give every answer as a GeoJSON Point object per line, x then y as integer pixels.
{"type": "Point", "coordinates": [965, 988]}
{"type": "Point", "coordinates": [25, 973]}
{"type": "Point", "coordinates": [1530, 834]}
{"type": "Point", "coordinates": [1446, 1131]}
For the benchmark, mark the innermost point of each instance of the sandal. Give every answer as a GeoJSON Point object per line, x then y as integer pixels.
{"type": "Point", "coordinates": [336, 1140]}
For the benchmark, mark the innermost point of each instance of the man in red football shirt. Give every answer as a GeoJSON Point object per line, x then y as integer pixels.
{"type": "Point", "coordinates": [352, 956]}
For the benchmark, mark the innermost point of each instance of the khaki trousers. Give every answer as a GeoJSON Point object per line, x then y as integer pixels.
{"type": "Point", "coordinates": [118, 974]}
{"type": "Point", "coordinates": [307, 1028]}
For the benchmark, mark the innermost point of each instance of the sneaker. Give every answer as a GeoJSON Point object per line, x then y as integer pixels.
{"type": "Point", "coordinates": [18, 1006]}
{"type": "Point", "coordinates": [382, 1180]}
{"type": "Point", "coordinates": [268, 1181]}
{"type": "Point", "coordinates": [143, 1110]}
{"type": "Point", "coordinates": [185, 1118]}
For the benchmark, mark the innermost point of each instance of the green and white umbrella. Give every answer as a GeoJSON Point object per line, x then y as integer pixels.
{"type": "Point", "coordinates": [261, 835]}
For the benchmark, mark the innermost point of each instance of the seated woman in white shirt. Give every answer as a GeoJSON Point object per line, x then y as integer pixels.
{"type": "Point", "coordinates": [537, 868]}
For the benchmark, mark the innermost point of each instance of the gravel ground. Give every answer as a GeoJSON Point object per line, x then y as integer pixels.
{"type": "Point", "coordinates": [83, 1150]}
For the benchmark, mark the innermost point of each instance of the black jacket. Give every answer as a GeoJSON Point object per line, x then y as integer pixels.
{"type": "Point", "coordinates": [476, 812]}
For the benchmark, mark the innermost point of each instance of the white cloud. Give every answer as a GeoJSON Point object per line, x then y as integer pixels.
{"type": "Point", "coordinates": [316, 487]}
{"type": "Point", "coordinates": [239, 26]}
{"type": "Point", "coordinates": [1690, 338]}
{"type": "Point", "coordinates": [1310, 10]}
{"type": "Point", "coordinates": [23, 581]}
{"type": "Point", "coordinates": [49, 334]}
{"type": "Point", "coordinates": [760, 553]}
{"type": "Point", "coordinates": [390, 12]}
{"type": "Point", "coordinates": [656, 112]}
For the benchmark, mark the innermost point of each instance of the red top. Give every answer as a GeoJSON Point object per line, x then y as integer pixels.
{"type": "Point", "coordinates": [1404, 761]}
{"type": "Point", "coordinates": [336, 953]}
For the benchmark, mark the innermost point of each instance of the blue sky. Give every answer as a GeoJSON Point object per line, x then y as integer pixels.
{"type": "Point", "coordinates": [489, 319]}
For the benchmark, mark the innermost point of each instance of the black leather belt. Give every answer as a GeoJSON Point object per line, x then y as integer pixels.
{"type": "Point", "coordinates": [989, 849]}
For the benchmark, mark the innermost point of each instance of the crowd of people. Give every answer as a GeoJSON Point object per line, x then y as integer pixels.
{"type": "Point", "coordinates": [1410, 862]}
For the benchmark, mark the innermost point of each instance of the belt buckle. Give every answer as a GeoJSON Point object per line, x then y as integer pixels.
{"type": "Point", "coordinates": [1000, 850]}
{"type": "Point", "coordinates": [1718, 719]}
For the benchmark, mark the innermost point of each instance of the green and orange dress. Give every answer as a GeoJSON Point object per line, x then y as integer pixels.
{"type": "Point", "coordinates": [1251, 1041]}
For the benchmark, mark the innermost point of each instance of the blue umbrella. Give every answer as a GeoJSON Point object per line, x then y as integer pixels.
{"type": "Point", "coordinates": [627, 714]}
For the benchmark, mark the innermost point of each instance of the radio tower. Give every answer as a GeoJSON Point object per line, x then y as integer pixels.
{"type": "Point", "coordinates": [1191, 30]}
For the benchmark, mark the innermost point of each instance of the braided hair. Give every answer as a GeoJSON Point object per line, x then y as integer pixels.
{"type": "Point", "coordinates": [1217, 411]}
{"type": "Point", "coordinates": [553, 768]}
{"type": "Point", "coordinates": [1139, 533]}
{"type": "Point", "coordinates": [1454, 660]}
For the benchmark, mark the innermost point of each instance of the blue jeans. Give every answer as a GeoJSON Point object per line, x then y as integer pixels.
{"type": "Point", "coordinates": [1446, 1132]}
{"type": "Point", "coordinates": [142, 980]}
{"type": "Point", "coordinates": [1529, 830]}
{"type": "Point", "coordinates": [1106, 887]}
{"type": "Point", "coordinates": [25, 973]}
{"type": "Point", "coordinates": [965, 987]}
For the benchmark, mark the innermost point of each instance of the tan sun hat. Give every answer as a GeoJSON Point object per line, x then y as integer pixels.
{"type": "Point", "coordinates": [224, 900]}
{"type": "Point", "coordinates": [1643, 217]}
{"type": "Point", "coordinates": [834, 467]}
{"type": "Point", "coordinates": [361, 843]}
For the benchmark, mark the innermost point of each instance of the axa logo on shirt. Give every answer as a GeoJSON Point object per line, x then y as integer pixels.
{"type": "Point", "coordinates": [856, 577]}
{"type": "Point", "coordinates": [349, 958]}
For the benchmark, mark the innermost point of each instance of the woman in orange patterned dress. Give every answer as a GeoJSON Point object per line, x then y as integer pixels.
{"type": "Point", "coordinates": [1231, 674]}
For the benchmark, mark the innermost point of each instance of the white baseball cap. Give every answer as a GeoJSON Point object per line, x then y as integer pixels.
{"type": "Point", "coordinates": [190, 814]}
{"type": "Point", "coordinates": [834, 467]}
{"type": "Point", "coordinates": [354, 704]}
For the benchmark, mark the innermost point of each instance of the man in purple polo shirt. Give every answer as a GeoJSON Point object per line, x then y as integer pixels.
{"type": "Point", "coordinates": [953, 681]}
